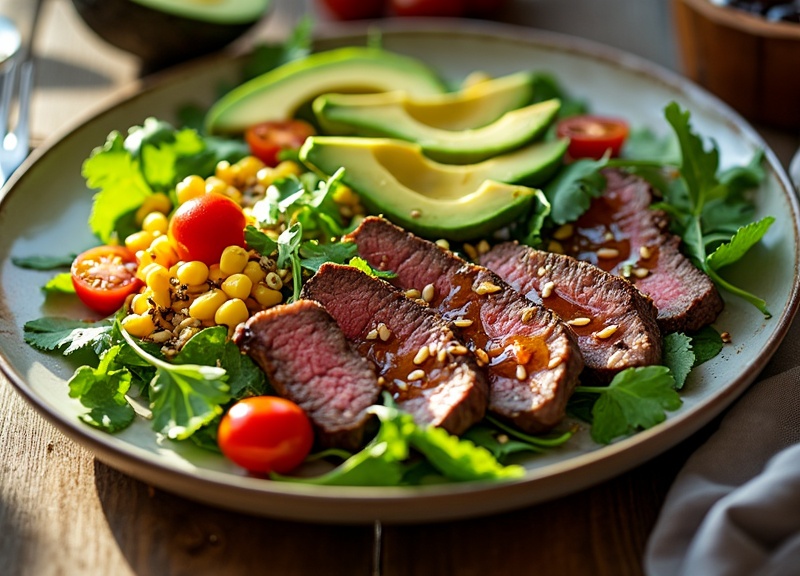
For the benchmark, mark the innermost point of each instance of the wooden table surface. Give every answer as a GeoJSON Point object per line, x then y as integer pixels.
{"type": "Point", "coordinates": [63, 512]}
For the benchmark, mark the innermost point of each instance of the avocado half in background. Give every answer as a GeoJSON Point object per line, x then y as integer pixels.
{"type": "Point", "coordinates": [166, 32]}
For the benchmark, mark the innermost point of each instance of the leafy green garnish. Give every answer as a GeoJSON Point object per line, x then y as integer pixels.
{"type": "Point", "coordinates": [60, 283]}
{"type": "Point", "coordinates": [503, 441]}
{"type": "Point", "coordinates": [43, 262]}
{"type": "Point", "coordinates": [635, 399]}
{"type": "Point", "coordinates": [66, 335]}
{"type": "Point", "coordinates": [184, 397]}
{"type": "Point", "coordinates": [265, 57]}
{"type": "Point", "coordinates": [678, 356]}
{"type": "Point", "coordinates": [573, 188]}
{"type": "Point", "coordinates": [259, 241]}
{"type": "Point", "coordinates": [361, 264]}
{"type": "Point", "coordinates": [102, 390]}
{"type": "Point", "coordinates": [313, 254]}
{"type": "Point", "coordinates": [706, 344]}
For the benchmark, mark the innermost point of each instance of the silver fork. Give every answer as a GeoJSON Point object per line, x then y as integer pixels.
{"type": "Point", "coordinates": [17, 79]}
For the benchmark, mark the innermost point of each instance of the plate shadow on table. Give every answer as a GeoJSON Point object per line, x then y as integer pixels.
{"type": "Point", "coordinates": [162, 534]}
{"type": "Point", "coordinates": [51, 72]}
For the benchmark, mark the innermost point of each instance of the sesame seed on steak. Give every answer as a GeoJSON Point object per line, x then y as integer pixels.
{"type": "Point", "coordinates": [419, 359]}
{"type": "Point", "coordinates": [531, 358]}
{"type": "Point", "coordinates": [614, 323]}
{"type": "Point", "coordinates": [308, 360]}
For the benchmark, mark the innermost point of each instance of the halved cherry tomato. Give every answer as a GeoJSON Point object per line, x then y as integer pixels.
{"type": "Point", "coordinates": [265, 434]}
{"type": "Point", "coordinates": [201, 228]}
{"type": "Point", "coordinates": [591, 136]}
{"type": "Point", "coordinates": [104, 276]}
{"type": "Point", "coordinates": [267, 139]}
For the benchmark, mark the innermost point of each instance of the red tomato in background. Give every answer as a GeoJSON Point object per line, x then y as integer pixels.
{"type": "Point", "coordinates": [104, 276]}
{"type": "Point", "coordinates": [265, 434]}
{"type": "Point", "coordinates": [268, 138]}
{"type": "Point", "coordinates": [426, 7]}
{"type": "Point", "coordinates": [590, 136]}
{"type": "Point", "coordinates": [354, 9]}
{"type": "Point", "coordinates": [483, 8]}
{"type": "Point", "coordinates": [201, 228]}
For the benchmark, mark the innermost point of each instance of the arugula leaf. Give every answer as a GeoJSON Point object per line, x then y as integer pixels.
{"type": "Point", "coordinates": [678, 356]}
{"type": "Point", "coordinates": [43, 262]}
{"type": "Point", "coordinates": [103, 390]}
{"type": "Point", "coordinates": [635, 399]}
{"type": "Point", "coordinates": [745, 238]}
{"type": "Point", "coordinates": [184, 397]}
{"type": "Point", "coordinates": [52, 333]}
{"type": "Point", "coordinates": [60, 283]}
{"type": "Point", "coordinates": [313, 254]}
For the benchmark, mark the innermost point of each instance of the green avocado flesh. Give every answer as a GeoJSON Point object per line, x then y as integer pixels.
{"type": "Point", "coordinates": [435, 200]}
{"type": "Point", "coordinates": [278, 94]}
{"type": "Point", "coordinates": [216, 11]}
{"type": "Point", "coordinates": [472, 107]}
{"type": "Point", "coordinates": [392, 120]}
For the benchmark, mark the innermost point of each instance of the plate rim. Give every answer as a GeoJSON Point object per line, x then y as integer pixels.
{"type": "Point", "coordinates": [301, 498]}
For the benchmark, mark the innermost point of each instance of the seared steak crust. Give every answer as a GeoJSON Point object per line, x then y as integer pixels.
{"type": "Point", "coordinates": [418, 357]}
{"type": "Point", "coordinates": [648, 254]}
{"type": "Point", "coordinates": [309, 361]}
{"type": "Point", "coordinates": [614, 323]}
{"type": "Point", "coordinates": [531, 357]}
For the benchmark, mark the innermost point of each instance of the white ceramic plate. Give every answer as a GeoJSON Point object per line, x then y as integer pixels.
{"type": "Point", "coordinates": [46, 208]}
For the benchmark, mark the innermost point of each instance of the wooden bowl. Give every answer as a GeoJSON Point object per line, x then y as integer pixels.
{"type": "Point", "coordinates": [749, 62]}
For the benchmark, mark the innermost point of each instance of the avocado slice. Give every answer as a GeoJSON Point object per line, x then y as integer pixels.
{"type": "Point", "coordinates": [435, 200]}
{"type": "Point", "coordinates": [472, 107]}
{"type": "Point", "coordinates": [279, 93]}
{"type": "Point", "coordinates": [220, 11]}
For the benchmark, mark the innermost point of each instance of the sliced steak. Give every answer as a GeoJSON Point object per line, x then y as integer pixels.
{"type": "Point", "coordinates": [308, 360]}
{"type": "Point", "coordinates": [532, 358]}
{"type": "Point", "coordinates": [614, 323]}
{"type": "Point", "coordinates": [419, 360]}
{"type": "Point", "coordinates": [622, 235]}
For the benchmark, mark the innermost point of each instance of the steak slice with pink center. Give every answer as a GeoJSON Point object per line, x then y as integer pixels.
{"type": "Point", "coordinates": [531, 358]}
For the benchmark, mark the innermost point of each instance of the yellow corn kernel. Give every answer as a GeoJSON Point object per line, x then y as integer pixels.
{"type": "Point", "coordinates": [173, 270]}
{"type": "Point", "coordinates": [155, 223]}
{"type": "Point", "coordinates": [232, 312]}
{"type": "Point", "coordinates": [267, 297]}
{"type": "Point", "coordinates": [190, 187]}
{"type": "Point", "coordinates": [160, 298]}
{"type": "Point", "coordinates": [216, 275]}
{"type": "Point", "coordinates": [265, 176]}
{"type": "Point", "coordinates": [248, 168]}
{"type": "Point", "coordinates": [254, 271]}
{"type": "Point", "coordinates": [286, 168]}
{"type": "Point", "coordinates": [233, 260]}
{"type": "Point", "coordinates": [158, 202]}
{"type": "Point", "coordinates": [194, 272]}
{"type": "Point", "coordinates": [344, 195]}
{"type": "Point", "coordinates": [234, 194]}
{"type": "Point", "coordinates": [237, 286]}
{"type": "Point", "coordinates": [139, 241]}
{"type": "Point", "coordinates": [157, 278]}
{"type": "Point", "coordinates": [205, 306]}
{"type": "Point", "coordinates": [139, 325]}
{"type": "Point", "coordinates": [164, 252]}
{"type": "Point", "coordinates": [139, 304]}
{"type": "Point", "coordinates": [226, 172]}
{"type": "Point", "coordinates": [215, 185]}
{"type": "Point", "coordinates": [145, 258]}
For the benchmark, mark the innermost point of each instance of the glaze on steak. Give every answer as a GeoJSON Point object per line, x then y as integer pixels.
{"type": "Point", "coordinates": [308, 360]}
{"type": "Point", "coordinates": [531, 357]}
{"type": "Point", "coordinates": [647, 254]}
{"type": "Point", "coordinates": [614, 323]}
{"type": "Point", "coordinates": [419, 360]}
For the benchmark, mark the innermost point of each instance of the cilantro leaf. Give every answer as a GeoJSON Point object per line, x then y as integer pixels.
{"type": "Point", "coordinates": [571, 191]}
{"type": "Point", "coordinates": [313, 254]}
{"type": "Point", "coordinates": [635, 399]}
{"type": "Point", "coordinates": [102, 390]}
{"type": "Point", "coordinates": [184, 397]}
{"type": "Point", "coordinates": [60, 283]}
{"type": "Point", "coordinates": [259, 241]}
{"type": "Point", "coordinates": [706, 344]}
{"type": "Point", "coordinates": [52, 333]}
{"type": "Point", "coordinates": [678, 356]}
{"type": "Point", "coordinates": [43, 262]}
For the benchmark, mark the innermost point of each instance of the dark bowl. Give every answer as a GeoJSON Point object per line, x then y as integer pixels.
{"type": "Point", "coordinates": [161, 38]}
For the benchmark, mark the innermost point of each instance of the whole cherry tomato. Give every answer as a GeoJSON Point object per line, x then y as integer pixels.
{"type": "Point", "coordinates": [355, 9]}
{"type": "Point", "coordinates": [201, 228]}
{"type": "Point", "coordinates": [267, 139]}
{"type": "Point", "coordinates": [265, 434]}
{"type": "Point", "coordinates": [104, 276]}
{"type": "Point", "coordinates": [591, 136]}
{"type": "Point", "coordinates": [426, 7]}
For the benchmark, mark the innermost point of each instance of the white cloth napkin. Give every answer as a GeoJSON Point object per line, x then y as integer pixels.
{"type": "Point", "coordinates": [734, 508]}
